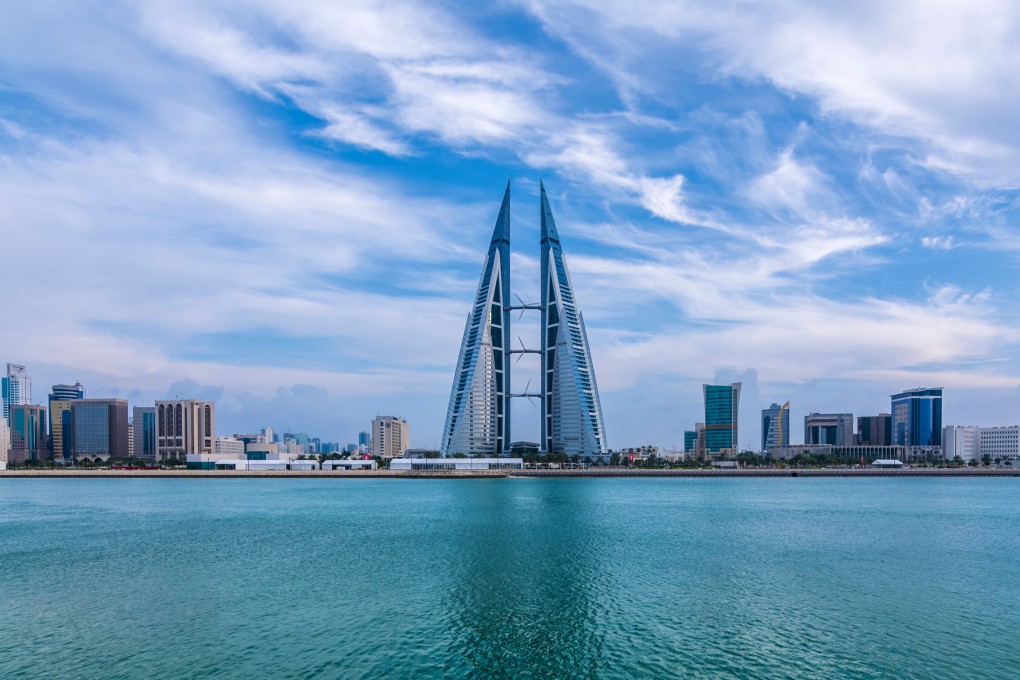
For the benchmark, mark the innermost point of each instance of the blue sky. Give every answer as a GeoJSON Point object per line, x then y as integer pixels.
{"type": "Point", "coordinates": [285, 206]}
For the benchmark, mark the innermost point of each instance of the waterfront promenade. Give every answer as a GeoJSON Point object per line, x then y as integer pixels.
{"type": "Point", "coordinates": [488, 474]}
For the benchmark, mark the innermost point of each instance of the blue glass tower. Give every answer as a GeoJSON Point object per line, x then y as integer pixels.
{"type": "Point", "coordinates": [722, 418]}
{"type": "Point", "coordinates": [917, 417]}
{"type": "Point", "coordinates": [572, 414]}
{"type": "Point", "coordinates": [478, 417]}
{"type": "Point", "coordinates": [775, 426]}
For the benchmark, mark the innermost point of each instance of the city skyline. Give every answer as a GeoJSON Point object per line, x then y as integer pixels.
{"type": "Point", "coordinates": [279, 209]}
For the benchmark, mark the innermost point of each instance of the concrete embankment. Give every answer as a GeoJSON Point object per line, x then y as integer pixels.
{"type": "Point", "coordinates": [493, 474]}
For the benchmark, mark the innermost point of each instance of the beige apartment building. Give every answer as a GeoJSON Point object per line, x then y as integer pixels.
{"type": "Point", "coordinates": [391, 436]}
{"type": "Point", "coordinates": [183, 427]}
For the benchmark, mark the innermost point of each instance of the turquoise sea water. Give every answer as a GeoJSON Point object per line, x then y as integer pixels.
{"type": "Point", "coordinates": [609, 578]}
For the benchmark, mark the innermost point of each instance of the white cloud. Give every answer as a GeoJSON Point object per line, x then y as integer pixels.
{"type": "Point", "coordinates": [189, 214]}
{"type": "Point", "coordinates": [938, 242]}
{"type": "Point", "coordinates": [793, 186]}
{"type": "Point", "coordinates": [945, 73]}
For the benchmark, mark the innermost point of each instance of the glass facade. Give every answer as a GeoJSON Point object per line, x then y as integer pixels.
{"type": "Point", "coordinates": [572, 420]}
{"type": "Point", "coordinates": [99, 428]}
{"type": "Point", "coordinates": [91, 429]}
{"type": "Point", "coordinates": [874, 430]}
{"type": "Point", "coordinates": [836, 429]}
{"type": "Point", "coordinates": [28, 432]}
{"type": "Point", "coordinates": [722, 408]}
{"type": "Point", "coordinates": [143, 421]}
{"type": "Point", "coordinates": [775, 426]}
{"type": "Point", "coordinates": [917, 417]}
{"type": "Point", "coordinates": [478, 416]}
{"type": "Point", "coordinates": [15, 389]}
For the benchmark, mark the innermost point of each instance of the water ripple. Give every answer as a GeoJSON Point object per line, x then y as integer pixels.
{"type": "Point", "coordinates": [541, 578]}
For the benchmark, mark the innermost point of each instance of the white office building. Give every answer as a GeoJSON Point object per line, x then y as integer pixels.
{"type": "Point", "coordinates": [974, 443]}
{"type": "Point", "coordinates": [962, 441]}
{"type": "Point", "coordinates": [15, 389]}
{"type": "Point", "coordinates": [229, 446]}
{"type": "Point", "coordinates": [1001, 442]}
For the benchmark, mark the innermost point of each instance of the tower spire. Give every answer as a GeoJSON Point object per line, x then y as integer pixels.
{"type": "Point", "coordinates": [549, 232]}
{"type": "Point", "coordinates": [501, 232]}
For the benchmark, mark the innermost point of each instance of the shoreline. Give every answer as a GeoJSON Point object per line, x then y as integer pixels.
{"type": "Point", "coordinates": [590, 473]}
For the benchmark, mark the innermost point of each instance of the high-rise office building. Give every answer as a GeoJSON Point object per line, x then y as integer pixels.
{"type": "Point", "coordinates": [874, 430]}
{"type": "Point", "coordinates": [775, 426]}
{"type": "Point", "coordinates": [143, 423]}
{"type": "Point", "coordinates": [722, 418]}
{"type": "Point", "coordinates": [60, 417]}
{"type": "Point", "coordinates": [836, 429]}
{"type": "Point", "coordinates": [391, 436]}
{"type": "Point", "coordinates": [364, 442]}
{"type": "Point", "coordinates": [28, 433]}
{"type": "Point", "coordinates": [478, 417]}
{"type": "Point", "coordinates": [15, 389]}
{"type": "Point", "coordinates": [99, 428]}
{"type": "Point", "coordinates": [917, 417]}
{"type": "Point", "coordinates": [68, 392]}
{"type": "Point", "coordinates": [184, 427]}
{"type": "Point", "coordinates": [572, 422]}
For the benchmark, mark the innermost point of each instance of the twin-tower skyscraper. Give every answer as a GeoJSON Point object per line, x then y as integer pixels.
{"type": "Point", "coordinates": [478, 418]}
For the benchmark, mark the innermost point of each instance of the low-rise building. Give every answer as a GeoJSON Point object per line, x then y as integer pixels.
{"type": "Point", "coordinates": [5, 443]}
{"type": "Point", "coordinates": [963, 441]}
{"type": "Point", "coordinates": [211, 461]}
{"type": "Point", "coordinates": [457, 464]}
{"type": "Point", "coordinates": [973, 443]}
{"type": "Point", "coordinates": [1000, 443]}
{"type": "Point", "coordinates": [264, 451]}
{"type": "Point", "coordinates": [229, 446]}
{"type": "Point", "coordinates": [862, 455]}
{"type": "Point", "coordinates": [350, 465]}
